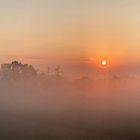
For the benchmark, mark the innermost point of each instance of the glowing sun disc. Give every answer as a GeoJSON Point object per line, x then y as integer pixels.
{"type": "Point", "coordinates": [104, 62]}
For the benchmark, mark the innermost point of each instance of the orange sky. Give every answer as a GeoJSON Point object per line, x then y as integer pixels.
{"type": "Point", "coordinates": [67, 32]}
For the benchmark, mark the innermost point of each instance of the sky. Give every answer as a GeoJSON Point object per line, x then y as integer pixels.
{"type": "Point", "coordinates": [72, 33]}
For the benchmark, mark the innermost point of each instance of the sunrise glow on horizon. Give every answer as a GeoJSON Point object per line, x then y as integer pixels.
{"type": "Point", "coordinates": [70, 69]}
{"type": "Point", "coordinates": [59, 35]}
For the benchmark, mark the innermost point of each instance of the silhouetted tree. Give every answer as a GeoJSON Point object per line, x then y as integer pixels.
{"type": "Point", "coordinates": [16, 70]}
{"type": "Point", "coordinates": [27, 75]}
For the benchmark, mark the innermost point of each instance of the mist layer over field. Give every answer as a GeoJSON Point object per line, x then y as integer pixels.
{"type": "Point", "coordinates": [40, 107]}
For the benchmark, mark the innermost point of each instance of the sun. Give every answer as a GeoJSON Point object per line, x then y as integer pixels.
{"type": "Point", "coordinates": [104, 62]}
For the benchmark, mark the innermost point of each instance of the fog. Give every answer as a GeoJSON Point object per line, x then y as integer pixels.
{"type": "Point", "coordinates": [36, 106]}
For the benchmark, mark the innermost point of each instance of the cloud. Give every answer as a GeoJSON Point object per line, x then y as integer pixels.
{"type": "Point", "coordinates": [84, 59]}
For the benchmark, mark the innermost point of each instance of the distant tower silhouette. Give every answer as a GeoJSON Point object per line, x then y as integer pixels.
{"type": "Point", "coordinates": [57, 71]}
{"type": "Point", "coordinates": [48, 71]}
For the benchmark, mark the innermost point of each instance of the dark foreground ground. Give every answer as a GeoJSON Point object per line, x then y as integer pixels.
{"type": "Point", "coordinates": [35, 127]}
{"type": "Point", "coordinates": [68, 114]}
